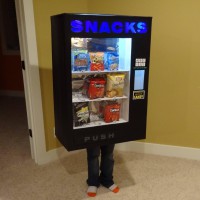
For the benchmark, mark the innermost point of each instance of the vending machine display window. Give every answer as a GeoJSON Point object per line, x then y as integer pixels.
{"type": "Point", "coordinates": [100, 81]}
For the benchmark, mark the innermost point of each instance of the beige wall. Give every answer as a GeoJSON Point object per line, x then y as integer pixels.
{"type": "Point", "coordinates": [174, 86]}
{"type": "Point", "coordinates": [42, 11]}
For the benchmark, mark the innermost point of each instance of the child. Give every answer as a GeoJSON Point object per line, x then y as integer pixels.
{"type": "Point", "coordinates": [105, 177]}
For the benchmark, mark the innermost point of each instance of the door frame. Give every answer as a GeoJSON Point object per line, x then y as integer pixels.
{"type": "Point", "coordinates": [31, 77]}
{"type": "Point", "coordinates": [32, 87]}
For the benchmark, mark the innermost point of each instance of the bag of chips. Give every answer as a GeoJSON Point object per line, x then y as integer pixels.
{"type": "Point", "coordinates": [79, 43]}
{"type": "Point", "coordinates": [111, 60]}
{"type": "Point", "coordinates": [112, 112]}
{"type": "Point", "coordinates": [102, 44]}
{"type": "Point", "coordinates": [115, 85]}
{"type": "Point", "coordinates": [96, 61]}
{"type": "Point", "coordinates": [81, 113]}
{"type": "Point", "coordinates": [96, 88]}
{"type": "Point", "coordinates": [80, 60]}
{"type": "Point", "coordinates": [77, 85]}
{"type": "Point", "coordinates": [94, 111]}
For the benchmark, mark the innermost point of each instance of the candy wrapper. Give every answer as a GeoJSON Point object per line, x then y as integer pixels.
{"type": "Point", "coordinates": [115, 85]}
{"type": "Point", "coordinates": [96, 61]}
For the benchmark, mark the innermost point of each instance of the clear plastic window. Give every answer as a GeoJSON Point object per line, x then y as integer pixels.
{"type": "Point", "coordinates": [100, 80]}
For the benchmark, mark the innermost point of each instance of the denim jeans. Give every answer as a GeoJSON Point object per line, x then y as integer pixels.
{"type": "Point", "coordinates": [103, 173]}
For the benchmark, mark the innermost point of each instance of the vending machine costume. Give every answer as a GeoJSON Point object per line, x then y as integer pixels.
{"type": "Point", "coordinates": [100, 78]}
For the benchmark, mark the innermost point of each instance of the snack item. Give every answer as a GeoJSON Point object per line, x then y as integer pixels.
{"type": "Point", "coordinates": [96, 61]}
{"type": "Point", "coordinates": [94, 111]}
{"type": "Point", "coordinates": [115, 85]}
{"type": "Point", "coordinates": [86, 86]}
{"type": "Point", "coordinates": [102, 44]}
{"type": "Point", "coordinates": [79, 43]}
{"type": "Point", "coordinates": [81, 113]}
{"type": "Point", "coordinates": [80, 60]}
{"type": "Point", "coordinates": [102, 105]}
{"type": "Point", "coordinates": [111, 61]}
{"type": "Point", "coordinates": [96, 88]}
{"type": "Point", "coordinates": [111, 112]}
{"type": "Point", "coordinates": [77, 84]}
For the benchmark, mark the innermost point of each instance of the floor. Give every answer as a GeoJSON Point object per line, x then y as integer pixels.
{"type": "Point", "coordinates": [140, 176]}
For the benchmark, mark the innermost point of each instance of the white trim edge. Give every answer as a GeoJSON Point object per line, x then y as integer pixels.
{"type": "Point", "coordinates": [133, 146]}
{"type": "Point", "coordinates": [160, 149]}
{"type": "Point", "coordinates": [55, 154]}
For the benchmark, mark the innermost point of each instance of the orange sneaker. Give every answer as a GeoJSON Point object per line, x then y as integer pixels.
{"type": "Point", "coordinates": [92, 191]}
{"type": "Point", "coordinates": [114, 188]}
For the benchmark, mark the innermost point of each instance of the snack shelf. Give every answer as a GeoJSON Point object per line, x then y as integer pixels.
{"type": "Point", "coordinates": [100, 83]}
{"type": "Point", "coordinates": [76, 99]}
{"type": "Point", "coordinates": [100, 123]}
{"type": "Point", "coordinates": [99, 72]}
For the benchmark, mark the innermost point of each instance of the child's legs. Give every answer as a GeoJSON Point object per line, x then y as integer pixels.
{"type": "Point", "coordinates": [107, 164]}
{"type": "Point", "coordinates": [93, 166]}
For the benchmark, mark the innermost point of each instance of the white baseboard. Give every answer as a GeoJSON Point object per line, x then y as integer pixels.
{"type": "Point", "coordinates": [12, 93]}
{"type": "Point", "coordinates": [134, 146]}
{"type": "Point", "coordinates": [160, 149]}
{"type": "Point", "coordinates": [54, 155]}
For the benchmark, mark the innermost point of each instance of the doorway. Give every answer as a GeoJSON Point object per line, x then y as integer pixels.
{"type": "Point", "coordinates": [31, 79]}
{"type": "Point", "coordinates": [14, 129]}
{"type": "Point", "coordinates": [11, 80]}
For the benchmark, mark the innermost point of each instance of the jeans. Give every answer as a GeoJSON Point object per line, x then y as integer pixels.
{"type": "Point", "coordinates": [105, 169]}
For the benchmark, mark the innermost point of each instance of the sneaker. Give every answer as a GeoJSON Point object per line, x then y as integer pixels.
{"type": "Point", "coordinates": [92, 191]}
{"type": "Point", "coordinates": [114, 188]}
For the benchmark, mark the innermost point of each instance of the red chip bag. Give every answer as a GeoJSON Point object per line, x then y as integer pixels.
{"type": "Point", "coordinates": [111, 112]}
{"type": "Point", "coordinates": [96, 88]}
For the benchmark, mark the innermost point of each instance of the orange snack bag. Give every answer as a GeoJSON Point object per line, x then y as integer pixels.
{"type": "Point", "coordinates": [112, 112]}
{"type": "Point", "coordinates": [96, 61]}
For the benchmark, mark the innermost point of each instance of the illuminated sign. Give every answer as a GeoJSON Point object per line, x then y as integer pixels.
{"type": "Point", "coordinates": [88, 26]}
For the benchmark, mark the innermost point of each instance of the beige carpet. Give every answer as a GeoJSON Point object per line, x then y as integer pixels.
{"type": "Point", "coordinates": [140, 176]}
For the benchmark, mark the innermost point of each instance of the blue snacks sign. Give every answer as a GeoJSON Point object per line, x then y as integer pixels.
{"type": "Point", "coordinates": [88, 26]}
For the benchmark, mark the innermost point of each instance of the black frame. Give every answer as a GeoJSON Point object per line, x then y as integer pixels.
{"type": "Point", "coordinates": [73, 139]}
